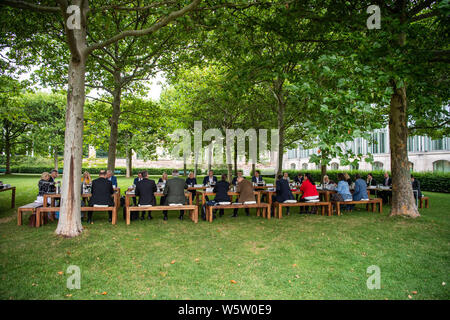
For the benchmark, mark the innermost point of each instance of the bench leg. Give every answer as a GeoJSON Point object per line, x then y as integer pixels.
{"type": "Point", "coordinates": [426, 203]}
{"type": "Point", "coordinates": [38, 218]}
{"type": "Point", "coordinates": [196, 214]}
{"type": "Point", "coordinates": [338, 208]}
{"type": "Point", "coordinates": [114, 215]}
{"type": "Point", "coordinates": [330, 210]}
{"type": "Point", "coordinates": [19, 217]}
{"type": "Point", "coordinates": [380, 206]}
{"type": "Point", "coordinates": [128, 215]}
{"type": "Point", "coordinates": [210, 214]}
{"type": "Point", "coordinates": [280, 211]}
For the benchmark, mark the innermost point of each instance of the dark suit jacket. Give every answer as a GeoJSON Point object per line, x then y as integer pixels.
{"type": "Point", "coordinates": [102, 191]}
{"type": "Point", "coordinates": [136, 180]}
{"type": "Point", "coordinates": [256, 180]}
{"type": "Point", "coordinates": [416, 186]}
{"type": "Point", "coordinates": [206, 179]}
{"type": "Point", "coordinates": [297, 180]}
{"type": "Point", "coordinates": [190, 181]}
{"type": "Point", "coordinates": [174, 191]}
{"type": "Point", "coordinates": [221, 190]}
{"type": "Point", "coordinates": [373, 182]}
{"type": "Point", "coordinates": [145, 190]}
{"type": "Point", "coordinates": [389, 182]}
{"type": "Point", "coordinates": [283, 191]}
{"type": "Point", "coordinates": [113, 180]}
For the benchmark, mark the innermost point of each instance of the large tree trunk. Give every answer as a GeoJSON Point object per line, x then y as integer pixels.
{"type": "Point", "coordinates": [253, 169]}
{"type": "Point", "coordinates": [114, 123]}
{"type": "Point", "coordinates": [281, 129]}
{"type": "Point", "coordinates": [323, 172]}
{"type": "Point", "coordinates": [230, 172]}
{"type": "Point", "coordinates": [209, 156]}
{"type": "Point", "coordinates": [69, 223]}
{"type": "Point", "coordinates": [403, 202]}
{"type": "Point", "coordinates": [129, 172]}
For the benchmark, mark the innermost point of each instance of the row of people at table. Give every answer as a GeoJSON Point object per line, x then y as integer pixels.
{"type": "Point", "coordinates": [102, 188]}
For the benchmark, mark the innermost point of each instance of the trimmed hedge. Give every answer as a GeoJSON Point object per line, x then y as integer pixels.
{"type": "Point", "coordinates": [429, 181]}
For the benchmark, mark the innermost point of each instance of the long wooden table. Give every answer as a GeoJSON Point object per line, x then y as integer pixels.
{"type": "Point", "coordinates": [204, 193]}
{"type": "Point", "coordinates": [54, 196]}
{"type": "Point", "coordinates": [129, 195]}
{"type": "Point", "coordinates": [13, 195]}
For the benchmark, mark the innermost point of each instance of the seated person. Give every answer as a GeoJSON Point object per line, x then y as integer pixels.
{"type": "Point", "coordinates": [343, 191]}
{"type": "Point", "coordinates": [370, 180]}
{"type": "Point", "coordinates": [309, 192]}
{"type": "Point", "coordinates": [221, 190]}
{"type": "Point", "coordinates": [44, 187]}
{"type": "Point", "coordinates": [245, 189]}
{"type": "Point", "coordinates": [299, 179]}
{"type": "Point", "coordinates": [145, 190]}
{"type": "Point", "coordinates": [53, 176]}
{"type": "Point", "coordinates": [191, 181]}
{"type": "Point", "coordinates": [327, 181]}
{"type": "Point", "coordinates": [111, 177]}
{"type": "Point", "coordinates": [138, 178]}
{"type": "Point", "coordinates": [174, 192]}
{"type": "Point", "coordinates": [286, 177]}
{"type": "Point", "coordinates": [360, 189]}
{"type": "Point", "coordinates": [257, 177]}
{"type": "Point", "coordinates": [283, 192]}
{"type": "Point", "coordinates": [102, 191]}
{"type": "Point", "coordinates": [385, 194]}
{"type": "Point", "coordinates": [210, 179]}
{"type": "Point", "coordinates": [416, 186]}
{"type": "Point", "coordinates": [135, 181]}
{"type": "Point", "coordinates": [162, 181]}
{"type": "Point", "coordinates": [348, 179]}
{"type": "Point", "coordinates": [239, 174]}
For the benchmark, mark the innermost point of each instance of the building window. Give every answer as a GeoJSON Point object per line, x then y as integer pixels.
{"type": "Point", "coordinates": [377, 165]}
{"type": "Point", "coordinates": [334, 166]}
{"type": "Point", "coordinates": [411, 166]}
{"type": "Point", "coordinates": [441, 166]}
{"type": "Point", "coordinates": [437, 144]}
{"type": "Point", "coordinates": [305, 166]}
{"type": "Point", "coordinates": [292, 166]}
{"type": "Point", "coordinates": [354, 166]}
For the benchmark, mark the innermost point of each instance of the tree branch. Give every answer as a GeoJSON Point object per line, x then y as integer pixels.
{"type": "Point", "coordinates": [138, 33]}
{"type": "Point", "coordinates": [29, 6]}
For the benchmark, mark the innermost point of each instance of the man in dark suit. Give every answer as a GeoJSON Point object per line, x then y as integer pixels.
{"type": "Point", "coordinates": [257, 177]}
{"type": "Point", "coordinates": [387, 182]}
{"type": "Point", "coordinates": [239, 174]}
{"type": "Point", "coordinates": [283, 192]}
{"type": "Point", "coordinates": [145, 190]}
{"type": "Point", "coordinates": [102, 192]}
{"type": "Point", "coordinates": [135, 181]}
{"type": "Point", "coordinates": [416, 186]}
{"type": "Point", "coordinates": [370, 180]}
{"type": "Point", "coordinates": [221, 190]}
{"type": "Point", "coordinates": [210, 178]}
{"type": "Point", "coordinates": [174, 192]}
{"type": "Point", "coordinates": [111, 177]}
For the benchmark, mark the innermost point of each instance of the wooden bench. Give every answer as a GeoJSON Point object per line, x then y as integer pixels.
{"type": "Point", "coordinates": [373, 202]}
{"type": "Point", "coordinates": [280, 205]}
{"type": "Point", "coordinates": [41, 210]}
{"type": "Point", "coordinates": [423, 200]}
{"type": "Point", "coordinates": [30, 207]}
{"type": "Point", "coordinates": [264, 206]}
{"type": "Point", "coordinates": [190, 207]}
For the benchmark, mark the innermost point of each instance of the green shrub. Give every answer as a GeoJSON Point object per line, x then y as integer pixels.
{"type": "Point", "coordinates": [429, 181]}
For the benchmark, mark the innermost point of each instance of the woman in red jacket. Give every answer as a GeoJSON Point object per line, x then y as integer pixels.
{"type": "Point", "coordinates": [309, 191]}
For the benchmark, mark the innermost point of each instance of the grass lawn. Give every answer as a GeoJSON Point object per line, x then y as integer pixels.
{"type": "Point", "coordinates": [297, 257]}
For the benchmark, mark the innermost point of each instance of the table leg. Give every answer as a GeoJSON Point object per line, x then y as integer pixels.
{"type": "Point", "coordinates": [38, 218]}
{"type": "Point", "coordinates": [13, 197]}
{"type": "Point", "coordinates": [128, 214]}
